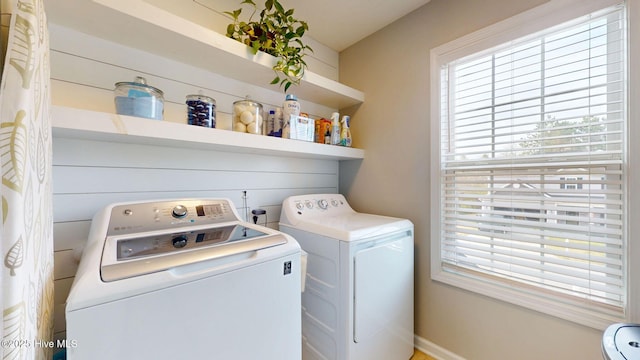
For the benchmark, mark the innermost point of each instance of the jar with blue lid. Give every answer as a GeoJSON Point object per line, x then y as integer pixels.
{"type": "Point", "coordinates": [201, 110]}
{"type": "Point", "coordinates": [136, 98]}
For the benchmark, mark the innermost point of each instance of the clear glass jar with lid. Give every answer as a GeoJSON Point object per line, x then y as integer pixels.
{"type": "Point", "coordinates": [136, 98]}
{"type": "Point", "coordinates": [247, 117]}
{"type": "Point", "coordinates": [201, 110]}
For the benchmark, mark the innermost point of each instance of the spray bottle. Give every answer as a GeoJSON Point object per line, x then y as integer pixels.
{"type": "Point", "coordinates": [335, 129]}
{"type": "Point", "coordinates": [345, 135]}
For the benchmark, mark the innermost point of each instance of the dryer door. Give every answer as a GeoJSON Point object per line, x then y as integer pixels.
{"type": "Point", "coordinates": [383, 286]}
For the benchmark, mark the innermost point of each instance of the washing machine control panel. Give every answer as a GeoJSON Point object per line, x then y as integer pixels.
{"type": "Point", "coordinates": [151, 216]}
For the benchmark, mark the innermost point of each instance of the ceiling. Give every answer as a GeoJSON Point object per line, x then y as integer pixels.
{"type": "Point", "coordinates": [336, 24]}
{"type": "Point", "coordinates": [339, 23]}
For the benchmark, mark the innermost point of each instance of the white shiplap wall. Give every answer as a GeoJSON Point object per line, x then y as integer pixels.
{"type": "Point", "coordinates": [210, 14]}
{"type": "Point", "coordinates": [88, 175]}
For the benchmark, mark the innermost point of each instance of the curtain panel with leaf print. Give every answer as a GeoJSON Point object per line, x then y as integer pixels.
{"type": "Point", "coordinates": [26, 230]}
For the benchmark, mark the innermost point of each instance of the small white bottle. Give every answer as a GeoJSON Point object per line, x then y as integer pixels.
{"type": "Point", "coordinates": [278, 123]}
{"type": "Point", "coordinates": [270, 124]}
{"type": "Point", "coordinates": [345, 134]}
{"type": "Point", "coordinates": [335, 129]}
{"type": "Point", "coordinates": [291, 107]}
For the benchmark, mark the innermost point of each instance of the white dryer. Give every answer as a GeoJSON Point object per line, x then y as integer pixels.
{"type": "Point", "coordinates": [358, 298]}
{"type": "Point", "coordinates": [184, 279]}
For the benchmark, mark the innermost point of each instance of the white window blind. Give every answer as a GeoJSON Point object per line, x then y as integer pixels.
{"type": "Point", "coordinates": [532, 189]}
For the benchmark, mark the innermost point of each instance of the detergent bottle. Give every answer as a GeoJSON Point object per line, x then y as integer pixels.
{"type": "Point", "coordinates": [335, 129]}
{"type": "Point", "coordinates": [345, 134]}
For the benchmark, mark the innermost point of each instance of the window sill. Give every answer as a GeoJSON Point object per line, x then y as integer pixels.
{"type": "Point", "coordinates": [579, 312]}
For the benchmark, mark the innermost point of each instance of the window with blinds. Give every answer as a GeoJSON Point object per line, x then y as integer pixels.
{"type": "Point", "coordinates": [532, 151]}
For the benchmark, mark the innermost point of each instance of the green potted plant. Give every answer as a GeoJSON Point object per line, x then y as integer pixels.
{"type": "Point", "coordinates": [277, 33]}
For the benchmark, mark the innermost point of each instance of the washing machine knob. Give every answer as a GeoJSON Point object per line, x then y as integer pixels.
{"type": "Point", "coordinates": [179, 211]}
{"type": "Point", "coordinates": [179, 241]}
{"type": "Point", "coordinates": [324, 204]}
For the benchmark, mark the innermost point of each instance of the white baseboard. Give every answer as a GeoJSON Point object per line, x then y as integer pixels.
{"type": "Point", "coordinates": [434, 350]}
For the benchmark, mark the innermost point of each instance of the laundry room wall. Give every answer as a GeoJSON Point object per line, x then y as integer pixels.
{"type": "Point", "coordinates": [89, 174]}
{"type": "Point", "coordinates": [210, 14]}
{"type": "Point", "coordinates": [451, 322]}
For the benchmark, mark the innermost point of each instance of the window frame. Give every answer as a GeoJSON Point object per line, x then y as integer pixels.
{"type": "Point", "coordinates": [530, 22]}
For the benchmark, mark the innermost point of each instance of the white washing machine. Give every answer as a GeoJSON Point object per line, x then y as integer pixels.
{"type": "Point", "coordinates": [358, 298]}
{"type": "Point", "coordinates": [184, 279]}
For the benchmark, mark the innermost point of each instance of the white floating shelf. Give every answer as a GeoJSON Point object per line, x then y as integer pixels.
{"type": "Point", "coordinates": [138, 24]}
{"type": "Point", "coordinates": [92, 125]}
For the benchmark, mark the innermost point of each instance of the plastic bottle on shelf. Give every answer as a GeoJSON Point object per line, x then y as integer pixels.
{"type": "Point", "coordinates": [335, 129]}
{"type": "Point", "coordinates": [345, 134]}
{"type": "Point", "coordinates": [278, 123]}
{"type": "Point", "coordinates": [291, 107]}
{"type": "Point", "coordinates": [270, 123]}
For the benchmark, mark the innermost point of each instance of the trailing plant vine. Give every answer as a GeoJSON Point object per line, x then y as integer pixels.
{"type": "Point", "coordinates": [277, 33]}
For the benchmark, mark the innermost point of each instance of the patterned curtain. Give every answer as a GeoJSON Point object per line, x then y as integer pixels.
{"type": "Point", "coordinates": [26, 231]}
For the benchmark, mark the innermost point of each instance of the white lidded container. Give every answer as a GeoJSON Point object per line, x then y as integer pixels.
{"type": "Point", "coordinates": [136, 98]}
{"type": "Point", "coordinates": [247, 117]}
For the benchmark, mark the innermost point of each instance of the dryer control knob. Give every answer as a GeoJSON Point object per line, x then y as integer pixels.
{"type": "Point", "coordinates": [179, 211]}
{"type": "Point", "coordinates": [324, 204]}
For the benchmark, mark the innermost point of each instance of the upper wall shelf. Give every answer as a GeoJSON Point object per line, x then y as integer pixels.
{"type": "Point", "coordinates": [92, 125]}
{"type": "Point", "coordinates": [140, 25]}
